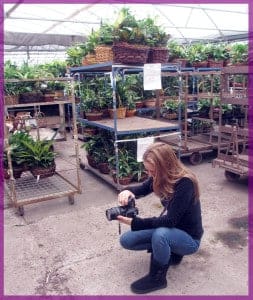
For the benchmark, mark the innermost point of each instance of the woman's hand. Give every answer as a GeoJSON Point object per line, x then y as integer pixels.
{"type": "Point", "coordinates": [125, 220]}
{"type": "Point", "coordinates": [124, 196]}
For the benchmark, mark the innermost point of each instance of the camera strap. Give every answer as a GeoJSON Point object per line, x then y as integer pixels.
{"type": "Point", "coordinates": [119, 228]}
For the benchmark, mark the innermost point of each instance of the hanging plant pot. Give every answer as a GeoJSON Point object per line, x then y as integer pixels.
{"type": "Point", "coordinates": [43, 172]}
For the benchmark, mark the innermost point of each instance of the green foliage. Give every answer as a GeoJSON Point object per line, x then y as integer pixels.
{"type": "Point", "coordinates": [155, 36]}
{"type": "Point", "coordinates": [105, 34]}
{"type": "Point", "coordinates": [176, 50]}
{"type": "Point", "coordinates": [75, 54]}
{"type": "Point", "coordinates": [217, 51]}
{"type": "Point", "coordinates": [197, 52]}
{"type": "Point", "coordinates": [126, 162]}
{"type": "Point", "coordinates": [239, 53]}
{"type": "Point", "coordinates": [172, 106]}
{"type": "Point", "coordinates": [17, 148]}
{"type": "Point", "coordinates": [38, 153]}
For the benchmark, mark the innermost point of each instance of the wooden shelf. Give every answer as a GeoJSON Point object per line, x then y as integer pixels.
{"type": "Point", "coordinates": [133, 125]}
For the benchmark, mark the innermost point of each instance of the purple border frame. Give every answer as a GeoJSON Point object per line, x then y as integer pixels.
{"type": "Point", "coordinates": [250, 203]}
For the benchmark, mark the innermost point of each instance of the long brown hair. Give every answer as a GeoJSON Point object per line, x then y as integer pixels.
{"type": "Point", "coordinates": [168, 170]}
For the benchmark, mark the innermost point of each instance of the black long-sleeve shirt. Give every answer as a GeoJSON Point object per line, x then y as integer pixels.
{"type": "Point", "coordinates": [182, 211]}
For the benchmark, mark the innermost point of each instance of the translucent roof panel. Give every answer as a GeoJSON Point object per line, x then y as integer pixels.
{"type": "Point", "coordinates": [185, 23]}
{"type": "Point", "coordinates": [197, 21]}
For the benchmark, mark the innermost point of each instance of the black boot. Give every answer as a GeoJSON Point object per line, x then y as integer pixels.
{"type": "Point", "coordinates": [175, 259]}
{"type": "Point", "coordinates": [155, 280]}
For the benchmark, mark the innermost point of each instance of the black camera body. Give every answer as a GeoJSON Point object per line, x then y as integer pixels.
{"type": "Point", "coordinates": [128, 210]}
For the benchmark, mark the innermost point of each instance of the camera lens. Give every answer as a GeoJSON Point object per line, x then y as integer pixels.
{"type": "Point", "coordinates": [112, 213]}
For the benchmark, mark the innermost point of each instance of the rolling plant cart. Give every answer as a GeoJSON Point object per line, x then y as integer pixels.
{"type": "Point", "coordinates": [233, 156]}
{"type": "Point", "coordinates": [65, 182]}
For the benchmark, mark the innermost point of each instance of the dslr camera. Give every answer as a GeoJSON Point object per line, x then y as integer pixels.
{"type": "Point", "coordinates": [128, 210]}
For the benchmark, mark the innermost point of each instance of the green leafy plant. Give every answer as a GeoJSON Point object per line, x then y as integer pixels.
{"type": "Point", "coordinates": [176, 50]}
{"type": "Point", "coordinates": [239, 53]}
{"type": "Point", "coordinates": [197, 52]}
{"type": "Point", "coordinates": [38, 153]}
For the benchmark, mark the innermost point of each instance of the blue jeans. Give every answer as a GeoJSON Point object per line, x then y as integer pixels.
{"type": "Point", "coordinates": [162, 241]}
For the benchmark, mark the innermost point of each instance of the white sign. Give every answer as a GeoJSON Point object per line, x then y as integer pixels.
{"type": "Point", "coordinates": [152, 77]}
{"type": "Point", "coordinates": [142, 145]}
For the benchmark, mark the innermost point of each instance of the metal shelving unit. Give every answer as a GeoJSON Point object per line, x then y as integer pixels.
{"type": "Point", "coordinates": [126, 126]}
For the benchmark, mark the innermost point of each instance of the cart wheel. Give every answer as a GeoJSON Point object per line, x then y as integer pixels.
{"type": "Point", "coordinates": [195, 158]}
{"type": "Point", "coordinates": [71, 200]}
{"type": "Point", "coordinates": [21, 210]}
{"type": "Point", "coordinates": [231, 176]}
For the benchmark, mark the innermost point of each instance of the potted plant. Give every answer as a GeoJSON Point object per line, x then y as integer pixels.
{"type": "Point", "coordinates": [125, 166]}
{"type": "Point", "coordinates": [217, 55]}
{"type": "Point", "coordinates": [129, 39]}
{"type": "Point", "coordinates": [239, 54]}
{"type": "Point", "coordinates": [58, 88]}
{"type": "Point", "coordinates": [40, 157]}
{"type": "Point", "coordinates": [177, 53]}
{"type": "Point", "coordinates": [197, 55]}
{"type": "Point", "coordinates": [156, 38]}
{"type": "Point", "coordinates": [170, 108]}
{"type": "Point", "coordinates": [91, 147]}
{"type": "Point", "coordinates": [139, 172]}
{"type": "Point", "coordinates": [131, 108]}
{"type": "Point", "coordinates": [90, 103]}
{"type": "Point", "coordinates": [105, 38]}
{"type": "Point", "coordinates": [16, 146]}
{"type": "Point", "coordinates": [120, 97]}
{"type": "Point", "coordinates": [203, 107]}
{"type": "Point", "coordinates": [75, 55]}
{"type": "Point", "coordinates": [11, 93]}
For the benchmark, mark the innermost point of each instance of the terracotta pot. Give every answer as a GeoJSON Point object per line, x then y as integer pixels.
{"type": "Point", "coordinates": [94, 116]}
{"type": "Point", "coordinates": [139, 104]}
{"type": "Point", "coordinates": [130, 112]}
{"type": "Point", "coordinates": [123, 180]}
{"type": "Point", "coordinates": [104, 168]}
{"type": "Point", "coordinates": [120, 113]}
{"type": "Point", "coordinates": [91, 161]}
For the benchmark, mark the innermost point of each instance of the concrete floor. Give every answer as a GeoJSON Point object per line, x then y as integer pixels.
{"type": "Point", "coordinates": [62, 249]}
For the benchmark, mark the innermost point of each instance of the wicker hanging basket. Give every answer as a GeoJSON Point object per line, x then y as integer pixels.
{"type": "Point", "coordinates": [103, 53]}
{"type": "Point", "coordinates": [130, 53]}
{"type": "Point", "coordinates": [158, 55]}
{"type": "Point", "coordinates": [11, 99]}
{"type": "Point", "coordinates": [91, 59]}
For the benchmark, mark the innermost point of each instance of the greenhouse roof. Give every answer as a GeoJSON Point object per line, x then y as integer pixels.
{"type": "Point", "coordinates": [53, 27]}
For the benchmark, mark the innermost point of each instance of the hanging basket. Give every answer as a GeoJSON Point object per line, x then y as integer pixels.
{"type": "Point", "coordinates": [158, 55]}
{"type": "Point", "coordinates": [129, 53]}
{"type": "Point", "coordinates": [103, 53]}
{"type": "Point", "coordinates": [91, 59]}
